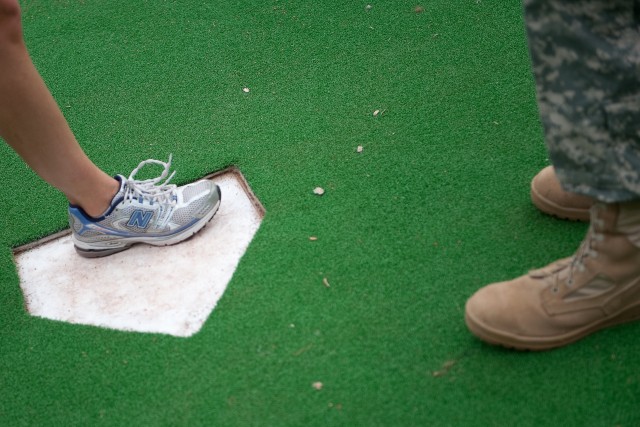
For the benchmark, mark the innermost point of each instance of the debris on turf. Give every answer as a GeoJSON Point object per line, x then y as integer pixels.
{"type": "Point", "coordinates": [325, 282]}
{"type": "Point", "coordinates": [317, 385]}
{"type": "Point", "coordinates": [245, 89]}
{"type": "Point", "coordinates": [319, 191]}
{"type": "Point", "coordinates": [303, 349]}
{"type": "Point", "coordinates": [446, 366]}
{"type": "Point", "coordinates": [313, 238]}
{"type": "Point", "coordinates": [418, 9]}
{"type": "Point", "coordinates": [359, 149]}
{"type": "Point", "coordinates": [368, 7]}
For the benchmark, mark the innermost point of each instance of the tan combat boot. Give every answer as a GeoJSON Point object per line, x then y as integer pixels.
{"type": "Point", "coordinates": [550, 198]}
{"type": "Point", "coordinates": [596, 288]}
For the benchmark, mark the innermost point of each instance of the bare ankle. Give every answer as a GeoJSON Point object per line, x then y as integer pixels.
{"type": "Point", "coordinates": [98, 203]}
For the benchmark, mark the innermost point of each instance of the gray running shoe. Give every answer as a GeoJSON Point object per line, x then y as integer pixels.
{"type": "Point", "coordinates": [148, 211]}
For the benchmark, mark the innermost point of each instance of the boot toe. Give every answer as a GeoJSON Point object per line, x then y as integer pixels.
{"type": "Point", "coordinates": [509, 313]}
{"type": "Point", "coordinates": [487, 312]}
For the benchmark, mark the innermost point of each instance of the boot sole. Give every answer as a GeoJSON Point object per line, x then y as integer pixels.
{"type": "Point", "coordinates": [551, 208]}
{"type": "Point", "coordinates": [518, 342]}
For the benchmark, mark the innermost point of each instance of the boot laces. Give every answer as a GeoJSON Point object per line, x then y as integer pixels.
{"type": "Point", "coordinates": [586, 249]}
{"type": "Point", "coordinates": [152, 190]}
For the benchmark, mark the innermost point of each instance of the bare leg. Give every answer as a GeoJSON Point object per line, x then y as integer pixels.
{"type": "Point", "coordinates": [33, 125]}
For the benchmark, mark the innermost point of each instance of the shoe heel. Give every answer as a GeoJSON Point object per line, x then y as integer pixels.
{"type": "Point", "coordinates": [99, 253]}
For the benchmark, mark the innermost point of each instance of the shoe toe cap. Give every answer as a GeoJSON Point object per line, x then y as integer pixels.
{"type": "Point", "coordinates": [215, 194]}
{"type": "Point", "coordinates": [514, 307]}
{"type": "Point", "coordinates": [487, 306]}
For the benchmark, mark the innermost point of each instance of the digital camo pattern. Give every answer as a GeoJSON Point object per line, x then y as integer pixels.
{"type": "Point", "coordinates": [586, 60]}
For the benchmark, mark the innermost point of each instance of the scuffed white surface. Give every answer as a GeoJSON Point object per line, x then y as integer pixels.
{"type": "Point", "coordinates": [170, 290]}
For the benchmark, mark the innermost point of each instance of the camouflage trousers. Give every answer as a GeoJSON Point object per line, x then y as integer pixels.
{"type": "Point", "coordinates": [586, 61]}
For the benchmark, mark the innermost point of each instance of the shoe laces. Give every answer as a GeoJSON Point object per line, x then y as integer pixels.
{"type": "Point", "coordinates": [152, 190]}
{"type": "Point", "coordinates": [586, 250]}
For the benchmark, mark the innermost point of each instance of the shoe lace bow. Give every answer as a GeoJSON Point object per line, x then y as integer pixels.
{"type": "Point", "coordinates": [152, 190]}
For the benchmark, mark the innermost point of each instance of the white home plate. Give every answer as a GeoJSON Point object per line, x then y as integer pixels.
{"type": "Point", "coordinates": [170, 290]}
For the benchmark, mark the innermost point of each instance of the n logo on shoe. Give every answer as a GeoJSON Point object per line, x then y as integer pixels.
{"type": "Point", "coordinates": [140, 219]}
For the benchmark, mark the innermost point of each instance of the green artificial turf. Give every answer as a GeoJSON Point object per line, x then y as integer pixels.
{"type": "Point", "coordinates": [434, 207]}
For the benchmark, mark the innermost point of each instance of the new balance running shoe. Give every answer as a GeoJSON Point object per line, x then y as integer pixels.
{"type": "Point", "coordinates": [148, 211]}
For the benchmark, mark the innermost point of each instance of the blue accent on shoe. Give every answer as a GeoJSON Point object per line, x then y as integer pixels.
{"type": "Point", "coordinates": [89, 223]}
{"type": "Point", "coordinates": [140, 218]}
